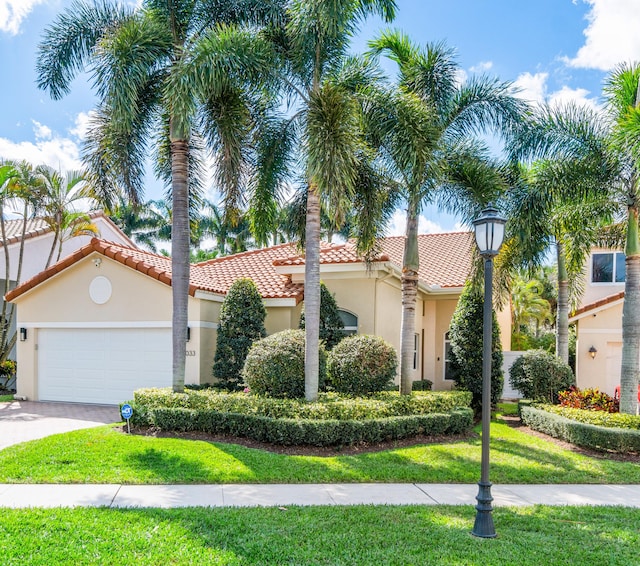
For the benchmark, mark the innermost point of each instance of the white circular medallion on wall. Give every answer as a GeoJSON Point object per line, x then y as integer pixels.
{"type": "Point", "coordinates": [100, 290]}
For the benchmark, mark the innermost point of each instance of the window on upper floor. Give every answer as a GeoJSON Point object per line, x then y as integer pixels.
{"type": "Point", "coordinates": [350, 322]}
{"type": "Point", "coordinates": [608, 267]}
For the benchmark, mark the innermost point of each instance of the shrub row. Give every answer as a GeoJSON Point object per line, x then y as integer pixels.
{"type": "Point", "coordinates": [595, 417]}
{"type": "Point", "coordinates": [310, 432]}
{"type": "Point", "coordinates": [581, 434]}
{"type": "Point", "coordinates": [328, 406]}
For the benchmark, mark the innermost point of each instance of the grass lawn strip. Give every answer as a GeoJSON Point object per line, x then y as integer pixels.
{"type": "Point", "coordinates": [103, 455]}
{"type": "Point", "coordinates": [334, 536]}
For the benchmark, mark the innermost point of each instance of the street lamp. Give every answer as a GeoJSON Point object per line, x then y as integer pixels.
{"type": "Point", "coordinates": [489, 230]}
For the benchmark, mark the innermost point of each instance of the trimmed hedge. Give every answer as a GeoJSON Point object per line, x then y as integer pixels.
{"type": "Point", "coordinates": [581, 434]}
{"type": "Point", "coordinates": [329, 405]}
{"type": "Point", "coordinates": [328, 432]}
{"type": "Point", "coordinates": [598, 418]}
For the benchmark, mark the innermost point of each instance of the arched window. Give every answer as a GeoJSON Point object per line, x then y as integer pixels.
{"type": "Point", "coordinates": [350, 322]}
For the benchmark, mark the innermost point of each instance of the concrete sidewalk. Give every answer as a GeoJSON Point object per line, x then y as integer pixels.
{"type": "Point", "coordinates": [279, 495]}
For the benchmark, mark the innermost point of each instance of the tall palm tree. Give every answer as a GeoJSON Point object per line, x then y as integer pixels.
{"type": "Point", "coordinates": [323, 130]}
{"type": "Point", "coordinates": [556, 194]}
{"type": "Point", "coordinates": [177, 76]}
{"type": "Point", "coordinates": [430, 127]}
{"type": "Point", "coordinates": [622, 92]}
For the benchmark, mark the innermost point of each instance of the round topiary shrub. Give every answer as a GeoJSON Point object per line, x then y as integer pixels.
{"type": "Point", "coordinates": [361, 365]}
{"type": "Point", "coordinates": [275, 365]}
{"type": "Point", "coordinates": [539, 376]}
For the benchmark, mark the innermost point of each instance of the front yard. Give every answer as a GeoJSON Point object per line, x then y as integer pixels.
{"type": "Point", "coordinates": [105, 455]}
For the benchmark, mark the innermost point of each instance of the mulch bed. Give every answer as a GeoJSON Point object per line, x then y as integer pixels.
{"type": "Point", "coordinates": [303, 450]}
{"type": "Point", "coordinates": [513, 421]}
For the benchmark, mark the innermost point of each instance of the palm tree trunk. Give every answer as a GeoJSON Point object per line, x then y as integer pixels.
{"type": "Point", "coordinates": [53, 248]}
{"type": "Point", "coordinates": [410, 266]}
{"type": "Point", "coordinates": [312, 295]}
{"type": "Point", "coordinates": [631, 319]}
{"type": "Point", "coordinates": [180, 258]}
{"type": "Point", "coordinates": [562, 317]}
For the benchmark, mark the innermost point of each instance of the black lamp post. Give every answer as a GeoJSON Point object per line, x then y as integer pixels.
{"type": "Point", "coordinates": [489, 230]}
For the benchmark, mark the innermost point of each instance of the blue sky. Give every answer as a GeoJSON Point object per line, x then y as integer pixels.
{"type": "Point", "coordinates": [553, 50]}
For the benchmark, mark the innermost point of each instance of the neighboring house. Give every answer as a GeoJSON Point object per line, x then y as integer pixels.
{"type": "Point", "coordinates": [97, 325]}
{"type": "Point", "coordinates": [598, 322]}
{"type": "Point", "coordinates": [38, 239]}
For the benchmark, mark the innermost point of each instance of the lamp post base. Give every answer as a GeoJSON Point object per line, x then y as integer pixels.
{"type": "Point", "coordinates": [483, 526]}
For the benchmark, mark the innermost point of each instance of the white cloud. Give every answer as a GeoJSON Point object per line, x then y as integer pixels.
{"type": "Point", "coordinates": [12, 12]}
{"type": "Point", "coordinates": [81, 124]}
{"type": "Point", "coordinates": [611, 36]}
{"type": "Point", "coordinates": [533, 87]}
{"type": "Point", "coordinates": [482, 67]}
{"type": "Point", "coordinates": [398, 225]}
{"type": "Point", "coordinates": [48, 149]}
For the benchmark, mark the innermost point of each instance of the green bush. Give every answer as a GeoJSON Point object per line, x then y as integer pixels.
{"type": "Point", "coordinates": [241, 323]}
{"type": "Point", "coordinates": [579, 433]}
{"type": "Point", "coordinates": [311, 432]}
{"type": "Point", "coordinates": [275, 365]}
{"type": "Point", "coordinates": [540, 376]}
{"type": "Point", "coordinates": [362, 365]}
{"type": "Point", "coordinates": [331, 325]}
{"type": "Point", "coordinates": [466, 334]}
{"type": "Point", "coordinates": [329, 406]}
{"type": "Point", "coordinates": [598, 418]}
{"type": "Point", "coordinates": [422, 385]}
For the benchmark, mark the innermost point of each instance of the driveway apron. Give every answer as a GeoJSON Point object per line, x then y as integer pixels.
{"type": "Point", "coordinates": [21, 421]}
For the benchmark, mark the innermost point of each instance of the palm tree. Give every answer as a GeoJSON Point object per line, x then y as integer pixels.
{"type": "Point", "coordinates": [323, 130]}
{"type": "Point", "coordinates": [141, 222]}
{"type": "Point", "coordinates": [430, 125]}
{"type": "Point", "coordinates": [622, 93]}
{"type": "Point", "coordinates": [528, 305]}
{"type": "Point", "coordinates": [58, 194]}
{"type": "Point", "coordinates": [20, 188]}
{"type": "Point", "coordinates": [177, 76]}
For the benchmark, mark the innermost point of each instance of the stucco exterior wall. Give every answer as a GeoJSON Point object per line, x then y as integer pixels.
{"type": "Point", "coordinates": [136, 301]}
{"type": "Point", "coordinates": [603, 331]}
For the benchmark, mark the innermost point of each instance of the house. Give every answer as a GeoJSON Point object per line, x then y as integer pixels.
{"type": "Point", "coordinates": [38, 239]}
{"type": "Point", "coordinates": [97, 325]}
{"type": "Point", "coordinates": [598, 322]}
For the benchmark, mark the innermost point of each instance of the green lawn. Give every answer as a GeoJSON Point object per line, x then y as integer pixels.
{"type": "Point", "coordinates": [103, 455]}
{"type": "Point", "coordinates": [319, 535]}
{"type": "Point", "coordinates": [6, 398]}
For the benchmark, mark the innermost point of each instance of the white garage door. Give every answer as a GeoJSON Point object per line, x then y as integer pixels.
{"type": "Point", "coordinates": [96, 365]}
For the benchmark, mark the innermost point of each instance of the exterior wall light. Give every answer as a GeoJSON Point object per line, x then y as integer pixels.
{"type": "Point", "coordinates": [23, 334]}
{"type": "Point", "coordinates": [97, 261]}
{"type": "Point", "coordinates": [593, 352]}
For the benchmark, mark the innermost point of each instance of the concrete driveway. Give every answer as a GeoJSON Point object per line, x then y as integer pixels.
{"type": "Point", "coordinates": [29, 420]}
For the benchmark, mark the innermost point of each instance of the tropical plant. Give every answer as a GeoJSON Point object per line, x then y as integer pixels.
{"type": "Point", "coordinates": [179, 77]}
{"type": "Point", "coordinates": [58, 194]}
{"type": "Point", "coordinates": [331, 325]}
{"type": "Point", "coordinates": [427, 129]}
{"type": "Point", "coordinates": [560, 202]}
{"type": "Point", "coordinates": [324, 133]}
{"type": "Point", "coordinates": [466, 336]}
{"type": "Point", "coordinates": [240, 324]}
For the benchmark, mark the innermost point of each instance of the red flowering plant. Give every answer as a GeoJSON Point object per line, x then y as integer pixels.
{"type": "Point", "coordinates": [588, 399]}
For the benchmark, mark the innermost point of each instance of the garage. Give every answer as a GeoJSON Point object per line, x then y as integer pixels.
{"type": "Point", "coordinates": [102, 365]}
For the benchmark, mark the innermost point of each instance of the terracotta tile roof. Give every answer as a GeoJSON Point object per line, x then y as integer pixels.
{"type": "Point", "coordinates": [445, 259]}
{"type": "Point", "coordinates": [38, 227]}
{"type": "Point", "coordinates": [597, 304]}
{"type": "Point", "coordinates": [217, 275]}
{"type": "Point", "coordinates": [445, 262]}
